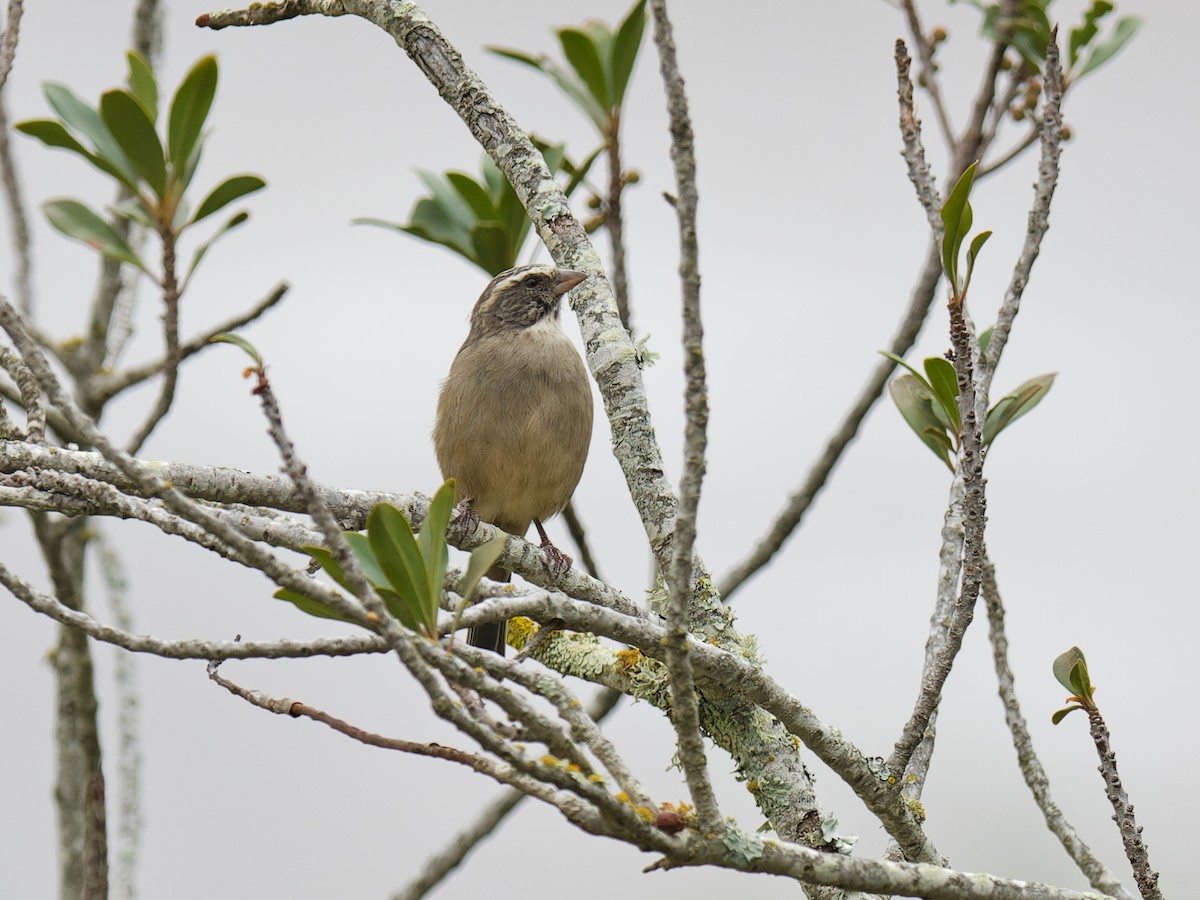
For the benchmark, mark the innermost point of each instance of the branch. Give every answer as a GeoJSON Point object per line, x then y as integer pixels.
{"type": "Point", "coordinates": [172, 357]}
{"type": "Point", "coordinates": [1031, 767]}
{"type": "Point", "coordinates": [685, 711]}
{"type": "Point", "coordinates": [1131, 835]}
{"type": "Point", "coordinates": [129, 757]}
{"type": "Point", "coordinates": [1039, 217]}
{"type": "Point", "coordinates": [929, 78]}
{"type": "Point", "coordinates": [8, 173]}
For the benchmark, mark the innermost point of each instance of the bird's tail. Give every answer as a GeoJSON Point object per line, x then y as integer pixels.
{"type": "Point", "coordinates": [493, 635]}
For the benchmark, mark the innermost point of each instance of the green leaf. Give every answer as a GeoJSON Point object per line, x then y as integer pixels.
{"type": "Point", "coordinates": [404, 611]}
{"type": "Point", "coordinates": [134, 131]}
{"type": "Point", "coordinates": [361, 545]}
{"type": "Point", "coordinates": [579, 94]}
{"type": "Point", "coordinates": [1083, 35]}
{"type": "Point", "coordinates": [395, 548]}
{"type": "Point", "coordinates": [310, 606]}
{"type": "Point", "coordinates": [228, 337]}
{"type": "Point", "coordinates": [916, 404]}
{"type": "Point", "coordinates": [448, 199]}
{"type": "Point", "coordinates": [983, 338]}
{"type": "Point", "coordinates": [900, 362]}
{"type": "Point", "coordinates": [325, 559]}
{"type": "Point", "coordinates": [520, 56]}
{"type": "Point", "coordinates": [189, 110]}
{"type": "Point", "coordinates": [973, 251]}
{"type": "Point", "coordinates": [584, 56]}
{"type": "Point", "coordinates": [84, 119]}
{"type": "Point", "coordinates": [956, 219]}
{"type": "Point", "coordinates": [1081, 685]}
{"type": "Point", "coordinates": [52, 133]}
{"type": "Point", "coordinates": [234, 221]}
{"type": "Point", "coordinates": [1015, 404]}
{"type": "Point", "coordinates": [1063, 713]}
{"type": "Point", "coordinates": [1064, 663]}
{"type": "Point", "coordinates": [943, 381]}
{"type": "Point", "coordinates": [577, 173]}
{"type": "Point", "coordinates": [482, 558]}
{"type": "Point", "coordinates": [142, 83]}
{"type": "Point", "coordinates": [493, 248]}
{"type": "Point", "coordinates": [76, 221]}
{"type": "Point", "coordinates": [432, 541]}
{"type": "Point", "coordinates": [625, 47]}
{"type": "Point", "coordinates": [1106, 50]}
{"type": "Point", "coordinates": [474, 194]}
{"type": "Point", "coordinates": [232, 188]}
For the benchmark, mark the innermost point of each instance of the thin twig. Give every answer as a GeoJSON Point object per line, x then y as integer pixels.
{"type": "Point", "coordinates": [970, 464]}
{"type": "Point", "coordinates": [614, 222]}
{"type": "Point", "coordinates": [1131, 835]}
{"type": "Point", "coordinates": [685, 707]}
{"type": "Point", "coordinates": [579, 536]}
{"type": "Point", "coordinates": [929, 78]}
{"type": "Point", "coordinates": [1039, 217]}
{"type": "Point", "coordinates": [31, 396]}
{"type": "Point", "coordinates": [129, 757]}
{"type": "Point", "coordinates": [172, 357]}
{"type": "Point", "coordinates": [1035, 777]}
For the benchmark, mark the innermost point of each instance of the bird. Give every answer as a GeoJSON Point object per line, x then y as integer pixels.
{"type": "Point", "coordinates": [514, 415]}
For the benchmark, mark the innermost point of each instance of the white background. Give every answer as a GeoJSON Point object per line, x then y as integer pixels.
{"type": "Point", "coordinates": [810, 239]}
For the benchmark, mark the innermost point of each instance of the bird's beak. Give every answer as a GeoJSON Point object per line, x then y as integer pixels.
{"type": "Point", "coordinates": [567, 279]}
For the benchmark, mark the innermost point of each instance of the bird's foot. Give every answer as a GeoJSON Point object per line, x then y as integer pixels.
{"type": "Point", "coordinates": [467, 522]}
{"type": "Point", "coordinates": [557, 562]}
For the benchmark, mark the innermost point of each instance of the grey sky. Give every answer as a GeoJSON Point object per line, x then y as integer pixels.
{"type": "Point", "coordinates": [810, 240]}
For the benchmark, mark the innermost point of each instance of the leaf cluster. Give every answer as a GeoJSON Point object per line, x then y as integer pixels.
{"type": "Point", "coordinates": [481, 218]}
{"type": "Point", "coordinates": [956, 222]}
{"type": "Point", "coordinates": [406, 570]}
{"type": "Point", "coordinates": [1070, 669]}
{"type": "Point", "coordinates": [929, 404]}
{"type": "Point", "coordinates": [1028, 32]}
{"type": "Point", "coordinates": [599, 65]}
{"type": "Point", "coordinates": [120, 137]}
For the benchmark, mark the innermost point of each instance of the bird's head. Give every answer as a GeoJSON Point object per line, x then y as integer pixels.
{"type": "Point", "coordinates": [522, 297]}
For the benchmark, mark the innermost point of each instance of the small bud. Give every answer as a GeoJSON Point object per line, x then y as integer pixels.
{"type": "Point", "coordinates": [1017, 113]}
{"type": "Point", "coordinates": [1066, 132]}
{"type": "Point", "coordinates": [669, 821]}
{"type": "Point", "coordinates": [939, 35]}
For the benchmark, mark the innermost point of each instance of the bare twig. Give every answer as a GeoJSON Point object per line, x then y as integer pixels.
{"type": "Point", "coordinates": [929, 78]}
{"type": "Point", "coordinates": [1039, 217]}
{"type": "Point", "coordinates": [579, 536]}
{"type": "Point", "coordinates": [1131, 835]}
{"type": "Point", "coordinates": [614, 222]}
{"type": "Point", "coordinates": [172, 357]}
{"type": "Point", "coordinates": [8, 172]}
{"type": "Point", "coordinates": [914, 150]}
{"type": "Point", "coordinates": [129, 817]}
{"type": "Point", "coordinates": [685, 710]}
{"type": "Point", "coordinates": [31, 396]}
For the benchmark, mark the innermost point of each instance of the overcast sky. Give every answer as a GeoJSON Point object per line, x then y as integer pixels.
{"type": "Point", "coordinates": [810, 240]}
